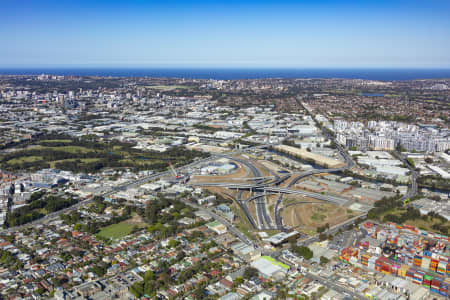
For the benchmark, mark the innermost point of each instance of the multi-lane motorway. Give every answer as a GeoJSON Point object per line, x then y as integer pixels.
{"type": "Point", "coordinates": [263, 218]}
{"type": "Point", "coordinates": [276, 190]}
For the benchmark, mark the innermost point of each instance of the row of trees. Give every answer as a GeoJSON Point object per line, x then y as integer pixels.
{"type": "Point", "coordinates": [434, 182]}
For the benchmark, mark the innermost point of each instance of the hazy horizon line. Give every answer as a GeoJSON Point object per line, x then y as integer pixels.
{"type": "Point", "coordinates": [83, 66]}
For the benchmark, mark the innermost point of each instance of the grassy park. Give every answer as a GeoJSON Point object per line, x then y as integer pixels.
{"type": "Point", "coordinates": [90, 155]}
{"type": "Point", "coordinates": [116, 231]}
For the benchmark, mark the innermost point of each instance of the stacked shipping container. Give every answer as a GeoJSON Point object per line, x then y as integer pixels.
{"type": "Point", "coordinates": [437, 282]}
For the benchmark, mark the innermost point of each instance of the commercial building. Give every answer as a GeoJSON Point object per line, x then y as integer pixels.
{"type": "Point", "coordinates": [270, 268]}
{"type": "Point", "coordinates": [316, 158]}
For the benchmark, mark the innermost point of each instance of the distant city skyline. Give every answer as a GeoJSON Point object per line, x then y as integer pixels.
{"type": "Point", "coordinates": [237, 34]}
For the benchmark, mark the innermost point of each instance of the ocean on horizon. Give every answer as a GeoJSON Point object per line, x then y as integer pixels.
{"type": "Point", "coordinates": [238, 73]}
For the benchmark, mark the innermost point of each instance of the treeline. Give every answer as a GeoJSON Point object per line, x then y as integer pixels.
{"type": "Point", "coordinates": [434, 182]}
{"type": "Point", "coordinates": [37, 209]}
{"type": "Point", "coordinates": [379, 178]}
{"type": "Point", "coordinates": [386, 205]}
{"type": "Point", "coordinates": [442, 226]}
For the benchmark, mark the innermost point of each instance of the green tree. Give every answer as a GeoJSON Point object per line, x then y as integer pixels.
{"type": "Point", "coordinates": [303, 251]}
{"type": "Point", "coordinates": [250, 272]}
{"type": "Point", "coordinates": [324, 260]}
{"type": "Point", "coordinates": [173, 243]}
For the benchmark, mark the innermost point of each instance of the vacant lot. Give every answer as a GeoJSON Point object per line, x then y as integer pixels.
{"type": "Point", "coordinates": [309, 216]}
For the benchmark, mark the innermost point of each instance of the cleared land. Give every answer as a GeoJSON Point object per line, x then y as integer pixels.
{"type": "Point", "coordinates": [309, 216]}
{"type": "Point", "coordinates": [272, 166]}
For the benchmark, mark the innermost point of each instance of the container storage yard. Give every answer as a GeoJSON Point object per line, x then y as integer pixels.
{"type": "Point", "coordinates": [405, 252]}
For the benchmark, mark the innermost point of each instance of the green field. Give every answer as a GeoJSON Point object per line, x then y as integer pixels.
{"type": "Point", "coordinates": [57, 141]}
{"type": "Point", "coordinates": [116, 231]}
{"type": "Point", "coordinates": [82, 160]}
{"type": "Point", "coordinates": [69, 149]}
{"type": "Point", "coordinates": [24, 159]}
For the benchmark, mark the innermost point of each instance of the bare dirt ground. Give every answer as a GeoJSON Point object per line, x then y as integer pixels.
{"type": "Point", "coordinates": [246, 195]}
{"type": "Point", "coordinates": [288, 181]}
{"type": "Point", "coordinates": [310, 216]}
{"type": "Point", "coordinates": [136, 220]}
{"type": "Point", "coordinates": [272, 166]}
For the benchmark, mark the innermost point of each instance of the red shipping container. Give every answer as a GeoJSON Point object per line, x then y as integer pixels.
{"type": "Point", "coordinates": [436, 283]}
{"type": "Point", "coordinates": [386, 267]}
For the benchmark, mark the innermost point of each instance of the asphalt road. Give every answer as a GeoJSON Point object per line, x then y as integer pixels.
{"type": "Point", "coordinates": [331, 285]}
{"type": "Point", "coordinates": [262, 188]}
{"type": "Point", "coordinates": [264, 220]}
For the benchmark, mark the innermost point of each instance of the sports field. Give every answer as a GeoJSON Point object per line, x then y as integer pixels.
{"type": "Point", "coordinates": [116, 231]}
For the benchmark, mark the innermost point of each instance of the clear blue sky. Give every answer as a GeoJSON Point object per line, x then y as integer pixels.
{"type": "Point", "coordinates": [294, 34]}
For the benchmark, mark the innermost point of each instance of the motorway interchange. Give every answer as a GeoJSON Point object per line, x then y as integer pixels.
{"type": "Point", "coordinates": [262, 186]}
